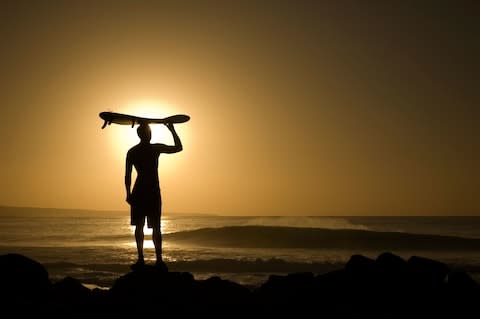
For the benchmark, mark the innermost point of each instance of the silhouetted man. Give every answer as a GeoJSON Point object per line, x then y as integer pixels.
{"type": "Point", "coordinates": [145, 198]}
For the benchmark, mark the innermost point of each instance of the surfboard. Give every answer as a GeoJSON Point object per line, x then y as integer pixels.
{"type": "Point", "coordinates": [127, 119]}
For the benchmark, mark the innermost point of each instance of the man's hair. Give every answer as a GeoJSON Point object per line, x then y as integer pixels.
{"type": "Point", "coordinates": [144, 131]}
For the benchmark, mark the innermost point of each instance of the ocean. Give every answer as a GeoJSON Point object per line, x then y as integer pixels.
{"type": "Point", "coordinates": [97, 247]}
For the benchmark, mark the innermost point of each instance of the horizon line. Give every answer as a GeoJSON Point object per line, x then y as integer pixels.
{"type": "Point", "coordinates": [236, 215]}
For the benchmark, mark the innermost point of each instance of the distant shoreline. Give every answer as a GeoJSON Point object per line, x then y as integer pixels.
{"type": "Point", "coordinates": [26, 211]}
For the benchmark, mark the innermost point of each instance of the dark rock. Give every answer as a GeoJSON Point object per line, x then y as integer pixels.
{"type": "Point", "coordinates": [216, 291]}
{"type": "Point", "coordinates": [360, 266]}
{"type": "Point", "coordinates": [393, 273]}
{"type": "Point", "coordinates": [288, 289]}
{"type": "Point", "coordinates": [428, 271]}
{"type": "Point", "coordinates": [389, 263]}
{"type": "Point", "coordinates": [362, 279]}
{"type": "Point", "coordinates": [460, 283]}
{"type": "Point", "coordinates": [23, 280]}
{"type": "Point", "coordinates": [463, 295]}
{"type": "Point", "coordinates": [69, 291]}
{"type": "Point", "coordinates": [153, 286]}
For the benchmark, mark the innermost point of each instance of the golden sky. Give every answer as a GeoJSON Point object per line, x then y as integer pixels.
{"type": "Point", "coordinates": [297, 107]}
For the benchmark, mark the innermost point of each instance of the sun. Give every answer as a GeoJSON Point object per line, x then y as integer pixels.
{"type": "Point", "coordinates": [151, 109]}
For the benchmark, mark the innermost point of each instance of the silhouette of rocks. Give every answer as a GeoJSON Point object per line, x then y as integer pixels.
{"type": "Point", "coordinates": [22, 280]}
{"type": "Point", "coordinates": [285, 290]}
{"type": "Point", "coordinates": [69, 294]}
{"type": "Point", "coordinates": [463, 292]}
{"type": "Point", "coordinates": [428, 271]}
{"type": "Point", "coordinates": [385, 287]}
{"type": "Point", "coordinates": [174, 290]}
{"type": "Point", "coordinates": [462, 284]}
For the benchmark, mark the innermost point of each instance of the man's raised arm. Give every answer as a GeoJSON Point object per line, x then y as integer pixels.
{"type": "Point", "coordinates": [178, 143]}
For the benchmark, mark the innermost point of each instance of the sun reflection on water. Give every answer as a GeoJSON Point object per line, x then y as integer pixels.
{"type": "Point", "coordinates": [148, 243]}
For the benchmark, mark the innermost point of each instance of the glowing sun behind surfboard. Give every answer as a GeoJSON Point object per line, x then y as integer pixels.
{"type": "Point", "coordinates": [150, 109]}
{"type": "Point", "coordinates": [124, 136]}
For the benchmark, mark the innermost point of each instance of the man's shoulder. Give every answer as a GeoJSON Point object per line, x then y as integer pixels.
{"type": "Point", "coordinates": [139, 148]}
{"type": "Point", "coordinates": [132, 149]}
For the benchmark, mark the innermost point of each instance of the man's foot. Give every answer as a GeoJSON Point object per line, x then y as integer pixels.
{"type": "Point", "coordinates": [138, 265]}
{"type": "Point", "coordinates": [161, 266]}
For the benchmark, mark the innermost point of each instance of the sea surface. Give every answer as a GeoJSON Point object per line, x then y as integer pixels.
{"type": "Point", "coordinates": [97, 247]}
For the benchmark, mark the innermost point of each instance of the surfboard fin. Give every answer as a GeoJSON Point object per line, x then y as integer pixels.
{"type": "Point", "coordinates": [133, 123]}
{"type": "Point", "coordinates": [107, 122]}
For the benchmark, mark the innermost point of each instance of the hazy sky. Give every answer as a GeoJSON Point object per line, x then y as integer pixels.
{"type": "Point", "coordinates": [297, 107]}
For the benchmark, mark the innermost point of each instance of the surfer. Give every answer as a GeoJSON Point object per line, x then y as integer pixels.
{"type": "Point", "coordinates": [145, 198]}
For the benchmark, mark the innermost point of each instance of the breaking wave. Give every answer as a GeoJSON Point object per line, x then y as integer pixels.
{"type": "Point", "coordinates": [294, 237]}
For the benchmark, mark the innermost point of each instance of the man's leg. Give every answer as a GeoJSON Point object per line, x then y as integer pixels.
{"type": "Point", "coordinates": [157, 242]}
{"type": "Point", "coordinates": [139, 236]}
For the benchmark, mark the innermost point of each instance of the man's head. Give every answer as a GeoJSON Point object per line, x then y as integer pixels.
{"type": "Point", "coordinates": [144, 132]}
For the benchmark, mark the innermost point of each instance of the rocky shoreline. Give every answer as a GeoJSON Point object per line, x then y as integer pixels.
{"type": "Point", "coordinates": [385, 287]}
